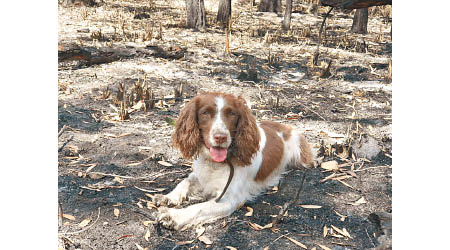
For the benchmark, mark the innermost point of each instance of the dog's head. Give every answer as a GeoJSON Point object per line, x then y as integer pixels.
{"type": "Point", "coordinates": [218, 126]}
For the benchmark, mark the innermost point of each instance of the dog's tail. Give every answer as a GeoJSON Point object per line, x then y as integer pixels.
{"type": "Point", "coordinates": [303, 154]}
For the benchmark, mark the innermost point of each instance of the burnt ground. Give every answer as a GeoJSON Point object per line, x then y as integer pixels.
{"type": "Point", "coordinates": [107, 167]}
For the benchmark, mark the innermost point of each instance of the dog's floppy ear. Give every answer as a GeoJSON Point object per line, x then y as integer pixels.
{"type": "Point", "coordinates": [247, 135]}
{"type": "Point", "coordinates": [187, 133]}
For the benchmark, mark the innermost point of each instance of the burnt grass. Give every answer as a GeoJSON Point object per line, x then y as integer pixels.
{"type": "Point", "coordinates": [107, 165]}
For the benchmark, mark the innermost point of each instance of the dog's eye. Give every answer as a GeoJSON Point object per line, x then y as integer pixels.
{"type": "Point", "coordinates": [232, 113]}
{"type": "Point", "coordinates": [206, 112]}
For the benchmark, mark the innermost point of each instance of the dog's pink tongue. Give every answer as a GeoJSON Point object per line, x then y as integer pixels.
{"type": "Point", "coordinates": [218, 154]}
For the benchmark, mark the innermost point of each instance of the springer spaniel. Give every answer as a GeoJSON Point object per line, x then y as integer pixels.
{"type": "Point", "coordinates": [217, 129]}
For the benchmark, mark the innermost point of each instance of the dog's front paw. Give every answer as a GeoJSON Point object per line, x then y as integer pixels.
{"type": "Point", "coordinates": [165, 200]}
{"type": "Point", "coordinates": [167, 219]}
{"type": "Point", "coordinates": [160, 200]}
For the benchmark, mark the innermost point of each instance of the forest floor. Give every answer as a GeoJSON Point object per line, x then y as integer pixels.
{"type": "Point", "coordinates": [108, 168]}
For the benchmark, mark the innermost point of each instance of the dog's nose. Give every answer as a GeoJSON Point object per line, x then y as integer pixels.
{"type": "Point", "coordinates": [220, 138]}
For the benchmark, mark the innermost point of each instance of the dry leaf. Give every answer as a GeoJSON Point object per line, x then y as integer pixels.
{"type": "Point", "coordinates": [116, 212]}
{"type": "Point", "coordinates": [118, 179]}
{"type": "Point", "coordinates": [346, 233]}
{"type": "Point", "coordinates": [134, 164]}
{"type": "Point", "coordinates": [255, 226]}
{"type": "Point", "coordinates": [139, 204]}
{"type": "Point", "coordinates": [330, 165]}
{"type": "Point", "coordinates": [337, 235]}
{"type": "Point", "coordinates": [328, 177]}
{"type": "Point", "coordinates": [266, 248]}
{"type": "Point", "coordinates": [69, 216]}
{"type": "Point", "coordinates": [139, 247]}
{"type": "Point", "coordinates": [310, 206]}
{"type": "Point", "coordinates": [147, 222]}
{"type": "Point", "coordinates": [350, 172]}
{"type": "Point", "coordinates": [324, 247]}
{"type": "Point", "coordinates": [331, 134]}
{"type": "Point", "coordinates": [164, 163]}
{"type": "Point", "coordinates": [231, 248]}
{"type": "Point", "coordinates": [325, 231]}
{"type": "Point", "coordinates": [359, 201]}
{"type": "Point", "coordinates": [267, 226]}
{"type": "Point", "coordinates": [93, 165]}
{"type": "Point", "coordinates": [181, 243]}
{"type": "Point", "coordinates": [340, 178]}
{"type": "Point", "coordinates": [314, 248]}
{"type": "Point", "coordinates": [296, 243]}
{"type": "Point", "coordinates": [205, 240]}
{"type": "Point", "coordinates": [250, 212]}
{"type": "Point", "coordinates": [124, 134]}
{"type": "Point", "coordinates": [84, 222]}
{"type": "Point", "coordinates": [275, 188]}
{"type": "Point", "coordinates": [147, 235]}
{"type": "Point", "coordinates": [275, 229]}
{"type": "Point", "coordinates": [200, 230]}
{"type": "Point", "coordinates": [340, 215]}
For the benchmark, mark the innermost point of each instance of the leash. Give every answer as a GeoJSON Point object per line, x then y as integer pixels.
{"type": "Point", "coordinates": [229, 179]}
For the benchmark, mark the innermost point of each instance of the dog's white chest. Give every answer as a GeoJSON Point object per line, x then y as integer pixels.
{"type": "Point", "coordinates": [213, 176]}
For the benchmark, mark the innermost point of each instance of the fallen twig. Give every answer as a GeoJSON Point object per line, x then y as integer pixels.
{"type": "Point", "coordinates": [289, 203]}
{"type": "Point", "coordinates": [357, 170]}
{"type": "Point", "coordinates": [84, 229]}
{"type": "Point", "coordinates": [60, 215]}
{"type": "Point", "coordinates": [312, 111]}
{"type": "Point", "coordinates": [371, 241]}
{"type": "Point", "coordinates": [64, 128]}
{"type": "Point", "coordinates": [284, 235]}
{"type": "Point", "coordinates": [65, 143]}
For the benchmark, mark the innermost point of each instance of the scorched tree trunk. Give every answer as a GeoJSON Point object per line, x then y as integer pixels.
{"type": "Point", "coordinates": [360, 21]}
{"type": "Point", "coordinates": [270, 6]}
{"type": "Point", "coordinates": [195, 14]}
{"type": "Point", "coordinates": [224, 12]}
{"type": "Point", "coordinates": [287, 15]}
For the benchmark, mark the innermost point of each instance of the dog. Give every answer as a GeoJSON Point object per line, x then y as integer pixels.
{"type": "Point", "coordinates": [219, 132]}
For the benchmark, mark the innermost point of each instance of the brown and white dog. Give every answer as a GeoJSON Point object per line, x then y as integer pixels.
{"type": "Point", "coordinates": [217, 128]}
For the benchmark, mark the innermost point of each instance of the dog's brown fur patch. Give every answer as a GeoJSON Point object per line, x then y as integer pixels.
{"type": "Point", "coordinates": [272, 153]}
